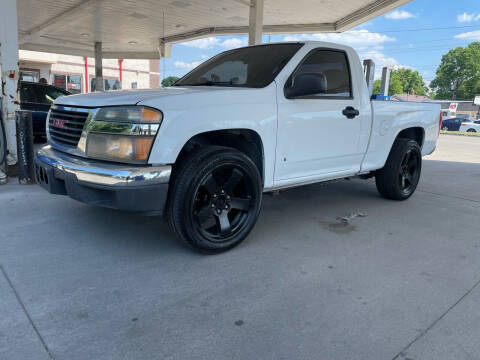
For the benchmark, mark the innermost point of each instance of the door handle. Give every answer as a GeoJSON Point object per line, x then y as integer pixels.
{"type": "Point", "coordinates": [350, 112]}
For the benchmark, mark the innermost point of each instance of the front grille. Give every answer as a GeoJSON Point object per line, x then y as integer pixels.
{"type": "Point", "coordinates": [65, 127]}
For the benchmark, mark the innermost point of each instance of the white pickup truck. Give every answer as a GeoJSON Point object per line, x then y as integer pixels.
{"type": "Point", "coordinates": [248, 121]}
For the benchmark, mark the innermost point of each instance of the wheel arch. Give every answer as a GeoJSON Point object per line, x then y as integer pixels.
{"type": "Point", "coordinates": [416, 133]}
{"type": "Point", "coordinates": [245, 140]}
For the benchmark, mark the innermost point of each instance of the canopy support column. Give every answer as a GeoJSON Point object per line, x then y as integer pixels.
{"type": "Point", "coordinates": [99, 83]}
{"type": "Point", "coordinates": [164, 52]}
{"type": "Point", "coordinates": [256, 22]}
{"type": "Point", "coordinates": [9, 77]}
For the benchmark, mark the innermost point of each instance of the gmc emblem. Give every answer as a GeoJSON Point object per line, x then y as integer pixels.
{"type": "Point", "coordinates": [59, 123]}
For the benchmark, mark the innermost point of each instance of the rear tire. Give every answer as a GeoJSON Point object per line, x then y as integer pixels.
{"type": "Point", "coordinates": [471, 130]}
{"type": "Point", "coordinates": [399, 177]}
{"type": "Point", "coordinates": [214, 199]}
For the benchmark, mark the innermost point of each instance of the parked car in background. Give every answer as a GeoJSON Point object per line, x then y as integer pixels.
{"type": "Point", "coordinates": [470, 126]}
{"type": "Point", "coordinates": [38, 98]}
{"type": "Point", "coordinates": [452, 124]}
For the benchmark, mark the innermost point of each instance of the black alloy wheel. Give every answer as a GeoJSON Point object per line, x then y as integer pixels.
{"type": "Point", "coordinates": [223, 203]}
{"type": "Point", "coordinates": [409, 171]}
{"type": "Point", "coordinates": [214, 199]}
{"type": "Point", "coordinates": [399, 178]}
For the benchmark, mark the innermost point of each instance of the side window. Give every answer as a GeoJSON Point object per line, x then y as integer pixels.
{"type": "Point", "coordinates": [333, 67]}
{"type": "Point", "coordinates": [109, 84]}
{"type": "Point", "coordinates": [46, 94]}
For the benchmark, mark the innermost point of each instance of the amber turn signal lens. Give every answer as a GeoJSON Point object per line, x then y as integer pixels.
{"type": "Point", "coordinates": [142, 148]}
{"type": "Point", "coordinates": [149, 115]}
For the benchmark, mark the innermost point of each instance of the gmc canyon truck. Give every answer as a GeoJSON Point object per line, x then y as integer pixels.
{"type": "Point", "coordinates": [248, 121]}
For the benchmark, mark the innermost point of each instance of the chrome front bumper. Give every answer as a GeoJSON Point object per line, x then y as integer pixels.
{"type": "Point", "coordinates": [104, 173]}
{"type": "Point", "coordinates": [124, 187]}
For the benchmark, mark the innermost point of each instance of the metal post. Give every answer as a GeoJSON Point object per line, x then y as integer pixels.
{"type": "Point", "coordinates": [164, 52]}
{"type": "Point", "coordinates": [256, 22]}
{"type": "Point", "coordinates": [86, 73]}
{"type": "Point", "coordinates": [26, 157]}
{"type": "Point", "coordinates": [99, 84]}
{"type": "Point", "coordinates": [385, 81]}
{"type": "Point", "coordinates": [120, 72]}
{"type": "Point", "coordinates": [9, 74]}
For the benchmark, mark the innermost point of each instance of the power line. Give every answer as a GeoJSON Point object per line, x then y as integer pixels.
{"type": "Point", "coordinates": [421, 42]}
{"type": "Point", "coordinates": [432, 28]}
{"type": "Point", "coordinates": [409, 51]}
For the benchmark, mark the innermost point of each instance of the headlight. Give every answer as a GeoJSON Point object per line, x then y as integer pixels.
{"type": "Point", "coordinates": [123, 134]}
{"type": "Point", "coordinates": [129, 114]}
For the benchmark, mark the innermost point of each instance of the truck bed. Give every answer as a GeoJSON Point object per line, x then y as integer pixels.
{"type": "Point", "coordinates": [389, 118]}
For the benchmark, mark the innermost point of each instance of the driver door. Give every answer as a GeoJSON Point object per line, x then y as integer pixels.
{"type": "Point", "coordinates": [315, 139]}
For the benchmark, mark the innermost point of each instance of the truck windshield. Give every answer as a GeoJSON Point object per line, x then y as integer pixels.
{"type": "Point", "coordinates": [254, 67]}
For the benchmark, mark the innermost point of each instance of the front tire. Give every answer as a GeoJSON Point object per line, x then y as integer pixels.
{"type": "Point", "coordinates": [399, 177]}
{"type": "Point", "coordinates": [215, 199]}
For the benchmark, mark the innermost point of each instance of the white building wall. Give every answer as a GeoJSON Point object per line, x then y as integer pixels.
{"type": "Point", "coordinates": [134, 71]}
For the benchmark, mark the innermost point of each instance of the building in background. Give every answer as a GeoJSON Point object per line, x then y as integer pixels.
{"type": "Point", "coordinates": [461, 109]}
{"type": "Point", "coordinates": [77, 74]}
{"type": "Point", "coordinates": [450, 108]}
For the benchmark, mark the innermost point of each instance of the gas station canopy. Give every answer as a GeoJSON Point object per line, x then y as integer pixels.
{"type": "Point", "coordinates": [139, 28]}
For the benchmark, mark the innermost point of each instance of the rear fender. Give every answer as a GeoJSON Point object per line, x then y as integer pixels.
{"type": "Point", "coordinates": [390, 119]}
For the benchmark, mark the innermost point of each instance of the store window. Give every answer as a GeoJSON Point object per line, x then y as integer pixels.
{"type": "Point", "coordinates": [109, 84]}
{"type": "Point", "coordinates": [72, 83]}
{"type": "Point", "coordinates": [29, 75]}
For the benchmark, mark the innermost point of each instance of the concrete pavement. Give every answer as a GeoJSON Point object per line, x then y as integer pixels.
{"type": "Point", "coordinates": [81, 282]}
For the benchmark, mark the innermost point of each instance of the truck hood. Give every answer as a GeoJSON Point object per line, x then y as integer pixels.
{"type": "Point", "coordinates": [123, 97]}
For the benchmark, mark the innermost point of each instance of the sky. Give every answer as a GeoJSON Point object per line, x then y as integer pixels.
{"type": "Point", "coordinates": [415, 35]}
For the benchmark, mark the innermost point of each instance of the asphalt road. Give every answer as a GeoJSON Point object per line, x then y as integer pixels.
{"type": "Point", "coordinates": [80, 282]}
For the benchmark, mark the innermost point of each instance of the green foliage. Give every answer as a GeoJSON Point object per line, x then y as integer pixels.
{"type": "Point", "coordinates": [403, 81]}
{"type": "Point", "coordinates": [463, 66]}
{"type": "Point", "coordinates": [411, 80]}
{"type": "Point", "coordinates": [169, 81]}
{"type": "Point", "coordinates": [459, 133]}
{"type": "Point", "coordinates": [377, 85]}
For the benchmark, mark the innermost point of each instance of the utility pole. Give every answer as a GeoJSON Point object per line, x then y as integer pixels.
{"type": "Point", "coordinates": [454, 89]}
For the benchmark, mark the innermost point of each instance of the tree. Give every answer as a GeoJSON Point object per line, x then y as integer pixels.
{"type": "Point", "coordinates": [411, 81]}
{"type": "Point", "coordinates": [169, 81]}
{"type": "Point", "coordinates": [403, 81]}
{"type": "Point", "coordinates": [458, 75]}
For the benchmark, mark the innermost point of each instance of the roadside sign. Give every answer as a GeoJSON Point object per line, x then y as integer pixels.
{"type": "Point", "coordinates": [453, 107]}
{"type": "Point", "coordinates": [477, 100]}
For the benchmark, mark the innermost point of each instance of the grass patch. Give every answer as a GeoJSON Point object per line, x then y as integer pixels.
{"type": "Point", "coordinates": [459, 133]}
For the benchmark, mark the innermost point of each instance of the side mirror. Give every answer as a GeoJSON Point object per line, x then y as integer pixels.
{"type": "Point", "coordinates": [306, 84]}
